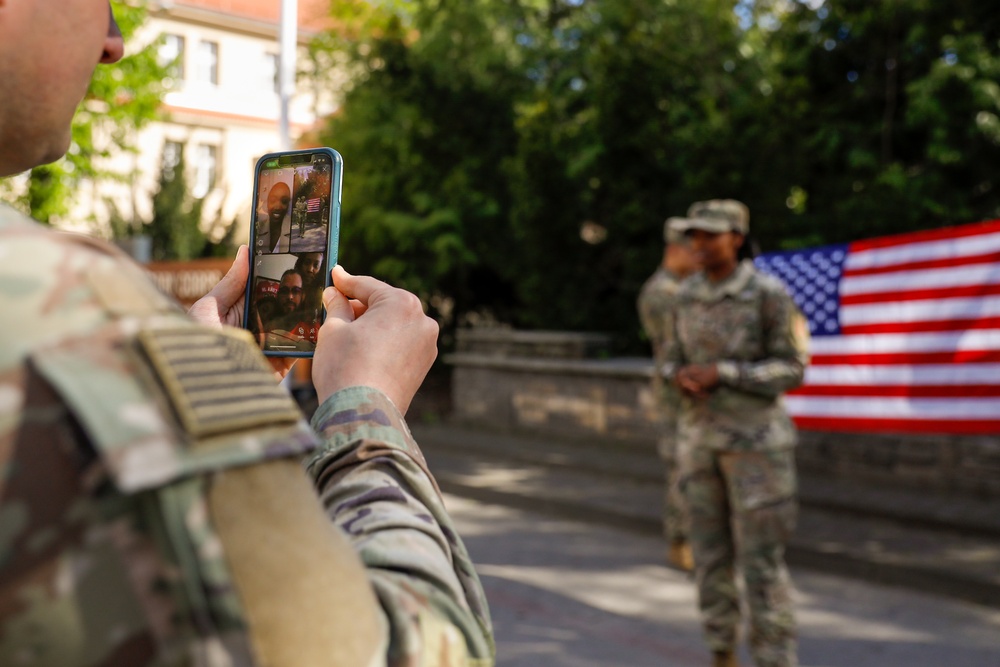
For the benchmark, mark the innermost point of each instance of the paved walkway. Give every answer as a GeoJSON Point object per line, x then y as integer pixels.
{"type": "Point", "coordinates": [574, 594]}
{"type": "Point", "coordinates": [947, 545]}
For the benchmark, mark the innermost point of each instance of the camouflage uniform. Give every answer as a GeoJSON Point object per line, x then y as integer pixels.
{"type": "Point", "coordinates": [735, 451]}
{"type": "Point", "coordinates": [136, 453]}
{"type": "Point", "coordinates": [656, 300]}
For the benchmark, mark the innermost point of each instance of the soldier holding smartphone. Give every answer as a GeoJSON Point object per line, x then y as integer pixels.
{"type": "Point", "coordinates": [153, 505]}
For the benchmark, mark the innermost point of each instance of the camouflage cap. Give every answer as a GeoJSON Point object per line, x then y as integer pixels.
{"type": "Point", "coordinates": [673, 230]}
{"type": "Point", "coordinates": [719, 216]}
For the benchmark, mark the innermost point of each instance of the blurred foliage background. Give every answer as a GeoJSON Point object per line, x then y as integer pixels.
{"type": "Point", "coordinates": [513, 160]}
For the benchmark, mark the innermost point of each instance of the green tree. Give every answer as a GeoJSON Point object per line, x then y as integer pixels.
{"type": "Point", "coordinates": [641, 107]}
{"type": "Point", "coordinates": [893, 108]}
{"type": "Point", "coordinates": [175, 228]}
{"type": "Point", "coordinates": [519, 156]}
{"type": "Point", "coordinates": [424, 129]}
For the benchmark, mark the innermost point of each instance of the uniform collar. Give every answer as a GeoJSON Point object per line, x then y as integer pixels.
{"type": "Point", "coordinates": [732, 285]}
{"type": "Point", "coordinates": [667, 273]}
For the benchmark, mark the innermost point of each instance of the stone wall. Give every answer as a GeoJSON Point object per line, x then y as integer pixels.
{"type": "Point", "coordinates": [938, 463]}
{"type": "Point", "coordinates": [551, 383]}
{"type": "Point", "coordinates": [590, 398]}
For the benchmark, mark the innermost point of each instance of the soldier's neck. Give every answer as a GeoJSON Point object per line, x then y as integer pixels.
{"type": "Point", "coordinates": [717, 274]}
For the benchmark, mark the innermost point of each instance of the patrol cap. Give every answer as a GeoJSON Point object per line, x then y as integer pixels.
{"type": "Point", "coordinates": [673, 230]}
{"type": "Point", "coordinates": [719, 216]}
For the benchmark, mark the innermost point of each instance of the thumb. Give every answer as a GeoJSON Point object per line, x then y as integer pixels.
{"type": "Point", "coordinates": [232, 286]}
{"type": "Point", "coordinates": [337, 305]}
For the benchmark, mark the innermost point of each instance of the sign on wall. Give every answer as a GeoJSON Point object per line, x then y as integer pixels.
{"type": "Point", "coordinates": [188, 281]}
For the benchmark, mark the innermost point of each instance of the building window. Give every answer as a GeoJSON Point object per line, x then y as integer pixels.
{"type": "Point", "coordinates": [208, 62]}
{"type": "Point", "coordinates": [270, 75]}
{"type": "Point", "coordinates": [171, 54]}
{"type": "Point", "coordinates": [171, 158]}
{"type": "Point", "coordinates": [205, 169]}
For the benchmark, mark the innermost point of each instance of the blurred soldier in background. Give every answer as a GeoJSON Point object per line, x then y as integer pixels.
{"type": "Point", "coordinates": [656, 299]}
{"type": "Point", "coordinates": [738, 342]}
{"type": "Point", "coordinates": [153, 505]}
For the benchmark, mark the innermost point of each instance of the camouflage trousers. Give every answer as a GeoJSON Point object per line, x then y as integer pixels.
{"type": "Point", "coordinates": [742, 510]}
{"type": "Point", "coordinates": [675, 516]}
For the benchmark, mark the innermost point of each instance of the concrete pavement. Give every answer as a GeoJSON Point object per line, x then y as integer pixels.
{"type": "Point", "coordinates": [568, 593]}
{"type": "Point", "coordinates": [945, 545]}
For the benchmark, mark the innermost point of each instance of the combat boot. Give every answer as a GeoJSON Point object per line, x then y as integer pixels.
{"type": "Point", "coordinates": [724, 659]}
{"type": "Point", "coordinates": [679, 555]}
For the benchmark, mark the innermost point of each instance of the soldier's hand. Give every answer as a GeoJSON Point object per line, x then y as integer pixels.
{"type": "Point", "coordinates": [375, 335]}
{"type": "Point", "coordinates": [706, 375]}
{"type": "Point", "coordinates": [698, 380]}
{"type": "Point", "coordinates": [224, 305]}
{"type": "Point", "coordinates": [687, 385]}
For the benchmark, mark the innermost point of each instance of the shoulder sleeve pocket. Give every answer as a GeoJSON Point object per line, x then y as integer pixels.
{"type": "Point", "coordinates": [171, 403]}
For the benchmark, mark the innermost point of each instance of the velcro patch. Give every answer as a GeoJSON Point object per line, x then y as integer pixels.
{"type": "Point", "coordinates": [217, 381]}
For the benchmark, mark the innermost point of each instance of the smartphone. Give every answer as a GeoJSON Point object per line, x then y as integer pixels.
{"type": "Point", "coordinates": [294, 236]}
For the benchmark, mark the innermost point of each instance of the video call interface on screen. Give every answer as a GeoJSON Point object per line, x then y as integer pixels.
{"type": "Point", "coordinates": [291, 237]}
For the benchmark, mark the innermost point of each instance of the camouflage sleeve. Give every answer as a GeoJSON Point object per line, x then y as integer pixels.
{"type": "Point", "coordinates": [672, 355]}
{"type": "Point", "coordinates": [376, 487]}
{"type": "Point", "coordinates": [651, 317]}
{"type": "Point", "coordinates": [654, 305]}
{"type": "Point", "coordinates": [786, 340]}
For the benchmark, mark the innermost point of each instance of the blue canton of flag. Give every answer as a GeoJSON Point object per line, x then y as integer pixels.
{"type": "Point", "coordinates": [812, 276]}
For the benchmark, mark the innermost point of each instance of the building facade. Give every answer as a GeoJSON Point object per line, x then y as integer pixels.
{"type": "Point", "coordinates": [223, 108]}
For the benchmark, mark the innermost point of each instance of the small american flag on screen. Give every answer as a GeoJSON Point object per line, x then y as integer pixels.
{"type": "Point", "coordinates": [314, 205]}
{"type": "Point", "coordinates": [905, 331]}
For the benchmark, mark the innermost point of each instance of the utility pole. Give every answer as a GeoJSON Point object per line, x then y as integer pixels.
{"type": "Point", "coordinates": [286, 74]}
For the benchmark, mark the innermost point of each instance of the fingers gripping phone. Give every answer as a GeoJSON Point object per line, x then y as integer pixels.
{"type": "Point", "coordinates": [294, 237]}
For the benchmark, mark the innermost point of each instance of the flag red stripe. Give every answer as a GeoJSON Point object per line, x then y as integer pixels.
{"type": "Point", "coordinates": [913, 327]}
{"type": "Point", "coordinates": [948, 262]}
{"type": "Point", "coordinates": [900, 391]}
{"type": "Point", "coordinates": [841, 424]}
{"type": "Point", "coordinates": [893, 358]}
{"type": "Point", "coordinates": [940, 255]}
{"type": "Point", "coordinates": [921, 294]}
{"type": "Point", "coordinates": [960, 231]}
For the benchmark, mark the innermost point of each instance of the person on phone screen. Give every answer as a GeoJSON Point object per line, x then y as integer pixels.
{"type": "Point", "coordinates": [163, 500]}
{"type": "Point", "coordinates": [310, 267]}
{"type": "Point", "coordinates": [737, 343]}
{"type": "Point", "coordinates": [270, 224]}
{"type": "Point", "coordinates": [290, 324]}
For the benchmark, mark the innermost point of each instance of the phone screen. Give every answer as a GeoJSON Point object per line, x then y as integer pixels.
{"type": "Point", "coordinates": [293, 244]}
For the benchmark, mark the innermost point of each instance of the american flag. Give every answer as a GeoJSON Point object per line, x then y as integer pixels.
{"type": "Point", "coordinates": [313, 205]}
{"type": "Point", "coordinates": [905, 331]}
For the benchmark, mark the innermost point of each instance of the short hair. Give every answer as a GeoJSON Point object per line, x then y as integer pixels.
{"type": "Point", "coordinates": [292, 272]}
